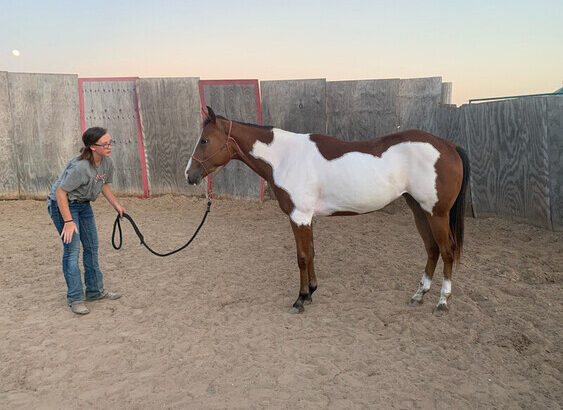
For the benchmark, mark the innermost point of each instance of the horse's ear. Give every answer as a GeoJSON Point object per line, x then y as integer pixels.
{"type": "Point", "coordinates": [211, 115]}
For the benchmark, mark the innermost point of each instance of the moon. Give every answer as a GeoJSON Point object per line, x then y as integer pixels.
{"type": "Point", "coordinates": [16, 53]}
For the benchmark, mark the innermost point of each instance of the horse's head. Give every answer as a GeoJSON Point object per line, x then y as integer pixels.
{"type": "Point", "coordinates": [211, 150]}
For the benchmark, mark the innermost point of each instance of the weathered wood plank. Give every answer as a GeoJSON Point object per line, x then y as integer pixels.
{"type": "Point", "coordinates": [8, 165]}
{"type": "Point", "coordinates": [446, 97]}
{"type": "Point", "coordinates": [236, 102]}
{"type": "Point", "coordinates": [295, 105]}
{"type": "Point", "coordinates": [449, 124]}
{"type": "Point", "coordinates": [112, 105]}
{"type": "Point", "coordinates": [536, 181]}
{"type": "Point", "coordinates": [508, 148]}
{"type": "Point", "coordinates": [359, 110]}
{"type": "Point", "coordinates": [555, 150]}
{"type": "Point", "coordinates": [170, 110]}
{"type": "Point", "coordinates": [417, 101]}
{"type": "Point", "coordinates": [46, 128]}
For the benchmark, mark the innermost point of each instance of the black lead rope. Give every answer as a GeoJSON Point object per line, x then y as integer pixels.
{"type": "Point", "coordinates": [117, 224]}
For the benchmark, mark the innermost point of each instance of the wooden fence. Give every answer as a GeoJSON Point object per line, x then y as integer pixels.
{"type": "Point", "coordinates": [515, 146]}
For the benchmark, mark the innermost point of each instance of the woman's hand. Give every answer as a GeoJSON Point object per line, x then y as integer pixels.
{"type": "Point", "coordinates": [120, 210]}
{"type": "Point", "coordinates": [69, 229]}
{"type": "Point", "coordinates": [108, 193]}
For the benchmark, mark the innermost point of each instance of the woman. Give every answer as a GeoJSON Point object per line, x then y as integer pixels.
{"type": "Point", "coordinates": [68, 205]}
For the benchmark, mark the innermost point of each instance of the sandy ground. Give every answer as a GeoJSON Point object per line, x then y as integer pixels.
{"type": "Point", "coordinates": [209, 328]}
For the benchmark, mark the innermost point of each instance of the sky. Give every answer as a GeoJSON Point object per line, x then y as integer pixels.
{"type": "Point", "coordinates": [484, 48]}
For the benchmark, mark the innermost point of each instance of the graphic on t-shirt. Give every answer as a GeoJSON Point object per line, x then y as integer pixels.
{"type": "Point", "coordinates": [101, 177]}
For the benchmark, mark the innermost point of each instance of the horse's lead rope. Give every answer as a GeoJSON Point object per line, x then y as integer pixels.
{"type": "Point", "coordinates": [117, 224]}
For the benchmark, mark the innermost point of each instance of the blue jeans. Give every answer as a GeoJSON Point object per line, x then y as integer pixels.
{"type": "Point", "coordinates": [84, 219]}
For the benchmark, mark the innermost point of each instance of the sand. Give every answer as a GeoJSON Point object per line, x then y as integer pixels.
{"type": "Point", "coordinates": [209, 328]}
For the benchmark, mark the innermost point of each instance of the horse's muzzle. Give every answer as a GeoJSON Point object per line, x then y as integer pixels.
{"type": "Point", "coordinates": [192, 176]}
{"type": "Point", "coordinates": [193, 179]}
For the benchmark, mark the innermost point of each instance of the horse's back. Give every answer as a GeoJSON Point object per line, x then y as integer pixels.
{"type": "Point", "coordinates": [332, 147]}
{"type": "Point", "coordinates": [414, 135]}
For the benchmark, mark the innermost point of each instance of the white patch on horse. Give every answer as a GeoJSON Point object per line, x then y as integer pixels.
{"type": "Point", "coordinates": [423, 287]}
{"type": "Point", "coordinates": [355, 182]}
{"type": "Point", "coordinates": [190, 161]}
{"type": "Point", "coordinates": [445, 292]}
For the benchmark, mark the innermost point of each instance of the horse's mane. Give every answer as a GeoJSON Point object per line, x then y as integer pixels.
{"type": "Point", "coordinates": [265, 127]}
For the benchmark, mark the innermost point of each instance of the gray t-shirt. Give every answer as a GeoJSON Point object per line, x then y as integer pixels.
{"type": "Point", "coordinates": [82, 181]}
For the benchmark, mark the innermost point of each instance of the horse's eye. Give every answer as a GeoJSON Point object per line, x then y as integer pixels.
{"type": "Point", "coordinates": [204, 141]}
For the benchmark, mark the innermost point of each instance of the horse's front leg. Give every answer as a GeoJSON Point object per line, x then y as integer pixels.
{"type": "Point", "coordinates": [305, 254]}
{"type": "Point", "coordinates": [311, 269]}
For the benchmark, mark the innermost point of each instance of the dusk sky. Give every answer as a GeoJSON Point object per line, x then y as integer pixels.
{"type": "Point", "coordinates": [485, 48]}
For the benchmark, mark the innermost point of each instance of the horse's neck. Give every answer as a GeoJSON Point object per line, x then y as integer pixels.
{"type": "Point", "coordinates": [245, 137]}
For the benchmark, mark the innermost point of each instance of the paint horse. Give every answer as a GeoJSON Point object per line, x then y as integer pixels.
{"type": "Point", "coordinates": [313, 174]}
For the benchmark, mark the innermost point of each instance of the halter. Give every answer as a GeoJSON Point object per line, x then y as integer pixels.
{"type": "Point", "coordinates": [226, 144]}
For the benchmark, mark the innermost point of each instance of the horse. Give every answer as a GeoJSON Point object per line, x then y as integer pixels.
{"type": "Point", "coordinates": [314, 174]}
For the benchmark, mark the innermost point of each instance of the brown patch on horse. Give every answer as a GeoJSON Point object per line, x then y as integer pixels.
{"type": "Point", "coordinates": [332, 148]}
{"type": "Point", "coordinates": [449, 164]}
{"type": "Point", "coordinates": [252, 133]}
{"type": "Point", "coordinates": [284, 200]}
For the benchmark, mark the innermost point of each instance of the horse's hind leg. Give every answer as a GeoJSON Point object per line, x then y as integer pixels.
{"type": "Point", "coordinates": [432, 250]}
{"type": "Point", "coordinates": [311, 269]}
{"type": "Point", "coordinates": [441, 230]}
{"type": "Point", "coordinates": [305, 253]}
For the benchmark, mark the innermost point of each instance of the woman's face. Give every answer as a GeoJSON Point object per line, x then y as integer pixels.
{"type": "Point", "coordinates": [103, 146]}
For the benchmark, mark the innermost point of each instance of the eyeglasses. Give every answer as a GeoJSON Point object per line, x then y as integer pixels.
{"type": "Point", "coordinates": [105, 145]}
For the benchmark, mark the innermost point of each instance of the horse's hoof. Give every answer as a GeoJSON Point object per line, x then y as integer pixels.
{"type": "Point", "coordinates": [308, 300]}
{"type": "Point", "coordinates": [293, 310]}
{"type": "Point", "coordinates": [415, 302]}
{"type": "Point", "coordinates": [441, 309]}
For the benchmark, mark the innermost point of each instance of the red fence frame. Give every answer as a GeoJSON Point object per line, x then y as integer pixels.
{"type": "Point", "coordinates": [142, 159]}
{"type": "Point", "coordinates": [203, 83]}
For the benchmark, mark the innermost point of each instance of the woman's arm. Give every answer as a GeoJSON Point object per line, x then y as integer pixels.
{"type": "Point", "coordinates": [108, 193]}
{"type": "Point", "coordinates": [69, 226]}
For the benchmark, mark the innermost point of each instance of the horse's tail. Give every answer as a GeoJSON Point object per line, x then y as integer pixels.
{"type": "Point", "coordinates": [457, 212]}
